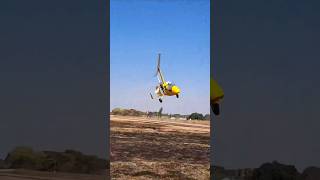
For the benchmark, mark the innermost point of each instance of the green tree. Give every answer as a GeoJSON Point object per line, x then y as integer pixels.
{"type": "Point", "coordinates": [196, 116]}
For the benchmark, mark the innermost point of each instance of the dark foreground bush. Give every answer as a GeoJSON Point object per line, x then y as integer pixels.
{"type": "Point", "coordinates": [24, 157]}
{"type": "Point", "coordinates": [311, 173]}
{"type": "Point", "coordinates": [2, 164]}
{"type": "Point", "coordinates": [276, 171]}
{"type": "Point", "coordinates": [68, 161]}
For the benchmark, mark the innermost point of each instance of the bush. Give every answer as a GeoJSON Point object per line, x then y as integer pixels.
{"type": "Point", "coordinates": [207, 117]}
{"type": "Point", "coordinates": [75, 161]}
{"type": "Point", "coordinates": [275, 170]}
{"type": "Point", "coordinates": [127, 112]}
{"type": "Point", "coordinates": [196, 116]}
{"type": "Point", "coordinates": [24, 157]}
{"type": "Point", "coordinates": [2, 164]}
{"type": "Point", "coordinates": [68, 161]}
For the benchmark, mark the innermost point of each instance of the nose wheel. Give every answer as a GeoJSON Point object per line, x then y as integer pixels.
{"type": "Point", "coordinates": [177, 95]}
{"type": "Point", "coordinates": [160, 100]}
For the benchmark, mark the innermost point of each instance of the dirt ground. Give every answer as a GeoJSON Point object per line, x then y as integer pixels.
{"type": "Point", "coordinates": [144, 148]}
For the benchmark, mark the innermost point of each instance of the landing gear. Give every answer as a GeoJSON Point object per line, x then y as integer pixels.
{"type": "Point", "coordinates": [160, 100]}
{"type": "Point", "coordinates": [216, 108]}
{"type": "Point", "coordinates": [177, 95]}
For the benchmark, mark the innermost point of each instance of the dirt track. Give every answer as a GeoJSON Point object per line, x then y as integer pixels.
{"type": "Point", "coordinates": [143, 148]}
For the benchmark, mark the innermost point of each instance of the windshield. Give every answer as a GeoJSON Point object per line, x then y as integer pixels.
{"type": "Point", "coordinates": [170, 83]}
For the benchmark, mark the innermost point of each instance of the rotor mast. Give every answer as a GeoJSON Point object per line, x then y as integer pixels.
{"type": "Point", "coordinates": [159, 70]}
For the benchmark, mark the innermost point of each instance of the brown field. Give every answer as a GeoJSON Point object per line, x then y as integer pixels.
{"type": "Point", "coordinates": [144, 148]}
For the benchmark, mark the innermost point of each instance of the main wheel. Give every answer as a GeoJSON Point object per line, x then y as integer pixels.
{"type": "Point", "coordinates": [160, 100]}
{"type": "Point", "coordinates": [216, 109]}
{"type": "Point", "coordinates": [177, 95]}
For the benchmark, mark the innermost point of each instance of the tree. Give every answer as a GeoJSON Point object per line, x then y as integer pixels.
{"type": "Point", "coordinates": [196, 116]}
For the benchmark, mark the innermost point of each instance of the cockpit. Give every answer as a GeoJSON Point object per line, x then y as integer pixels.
{"type": "Point", "coordinates": [170, 85]}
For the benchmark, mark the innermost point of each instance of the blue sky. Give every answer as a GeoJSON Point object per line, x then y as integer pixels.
{"type": "Point", "coordinates": [180, 31]}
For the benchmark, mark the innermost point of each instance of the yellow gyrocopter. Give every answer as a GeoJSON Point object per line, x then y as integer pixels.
{"type": "Point", "coordinates": [216, 95]}
{"type": "Point", "coordinates": [164, 88]}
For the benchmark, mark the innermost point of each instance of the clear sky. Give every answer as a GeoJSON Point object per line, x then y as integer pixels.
{"type": "Point", "coordinates": [180, 31]}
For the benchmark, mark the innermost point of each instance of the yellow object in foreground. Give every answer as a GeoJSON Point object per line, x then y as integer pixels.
{"type": "Point", "coordinates": [216, 92]}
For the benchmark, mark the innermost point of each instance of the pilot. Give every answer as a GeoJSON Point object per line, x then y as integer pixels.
{"type": "Point", "coordinates": [169, 85]}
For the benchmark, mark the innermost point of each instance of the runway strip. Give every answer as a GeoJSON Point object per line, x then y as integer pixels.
{"type": "Point", "coordinates": [166, 124]}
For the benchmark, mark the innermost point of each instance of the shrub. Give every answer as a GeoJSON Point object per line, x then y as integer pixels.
{"type": "Point", "coordinates": [68, 161]}
{"type": "Point", "coordinates": [196, 116]}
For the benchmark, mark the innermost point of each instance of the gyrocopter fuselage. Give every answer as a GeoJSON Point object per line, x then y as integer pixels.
{"type": "Point", "coordinates": [164, 88]}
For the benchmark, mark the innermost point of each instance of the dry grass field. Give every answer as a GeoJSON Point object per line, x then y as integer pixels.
{"type": "Point", "coordinates": [150, 148]}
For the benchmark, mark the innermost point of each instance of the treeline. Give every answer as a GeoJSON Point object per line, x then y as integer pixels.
{"type": "Point", "coordinates": [127, 112]}
{"type": "Point", "coordinates": [268, 171]}
{"type": "Point", "coordinates": [68, 161]}
{"type": "Point", "coordinates": [198, 116]}
{"type": "Point", "coordinates": [193, 116]}
{"type": "Point", "coordinates": [133, 112]}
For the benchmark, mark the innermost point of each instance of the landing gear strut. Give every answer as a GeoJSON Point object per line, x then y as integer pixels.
{"type": "Point", "coordinates": [215, 108]}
